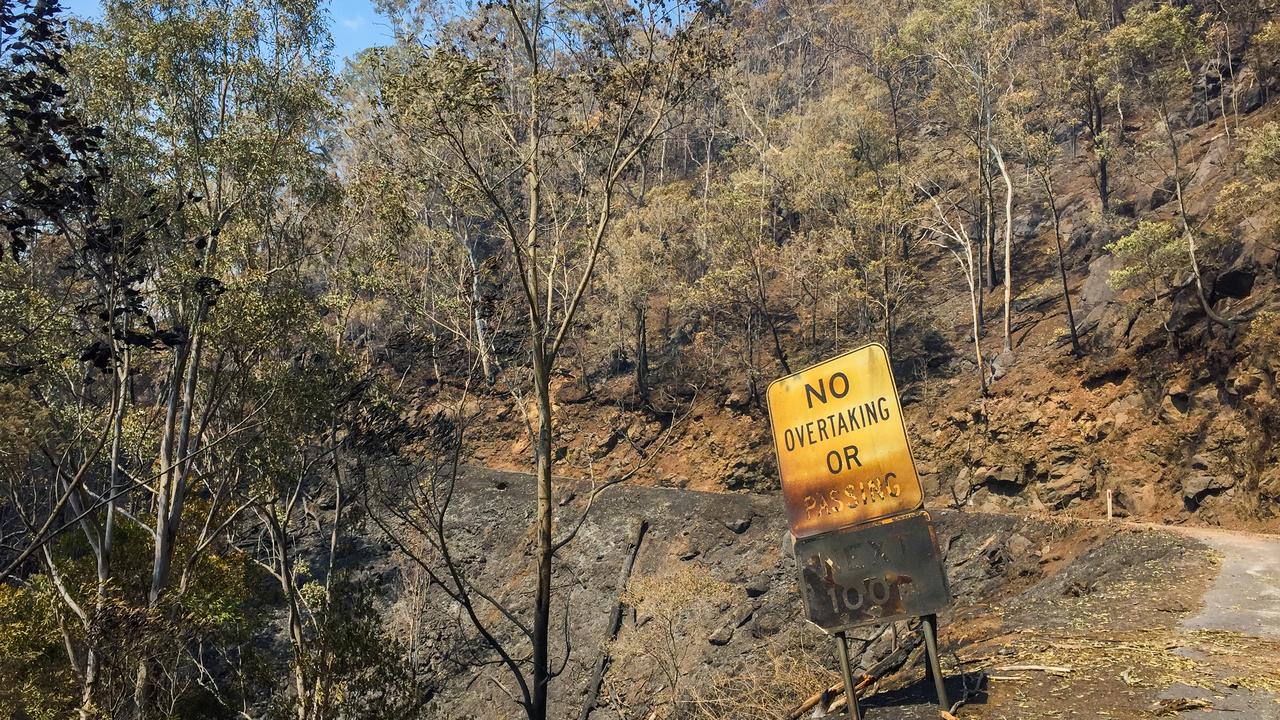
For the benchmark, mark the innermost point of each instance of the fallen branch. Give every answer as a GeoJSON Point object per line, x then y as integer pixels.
{"type": "Point", "coordinates": [615, 620]}
{"type": "Point", "coordinates": [864, 681]}
{"type": "Point", "coordinates": [890, 663]}
{"type": "Point", "coordinates": [813, 700]}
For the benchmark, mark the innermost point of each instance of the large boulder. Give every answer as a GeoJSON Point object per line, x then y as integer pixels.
{"type": "Point", "coordinates": [1059, 492]}
{"type": "Point", "coordinates": [1096, 289]}
{"type": "Point", "coordinates": [568, 391]}
{"type": "Point", "coordinates": [1186, 311]}
{"type": "Point", "coordinates": [1001, 363]}
{"type": "Point", "coordinates": [1196, 486]}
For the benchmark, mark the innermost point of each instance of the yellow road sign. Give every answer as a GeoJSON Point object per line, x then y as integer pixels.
{"type": "Point", "coordinates": [841, 443]}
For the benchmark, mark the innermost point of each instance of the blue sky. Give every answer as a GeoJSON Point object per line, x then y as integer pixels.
{"type": "Point", "coordinates": [354, 23]}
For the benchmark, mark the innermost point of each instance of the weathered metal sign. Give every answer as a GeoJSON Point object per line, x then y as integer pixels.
{"type": "Point", "coordinates": [871, 574]}
{"type": "Point", "coordinates": [841, 443]}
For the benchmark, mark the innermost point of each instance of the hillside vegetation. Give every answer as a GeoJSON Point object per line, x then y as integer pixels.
{"type": "Point", "coordinates": [258, 306]}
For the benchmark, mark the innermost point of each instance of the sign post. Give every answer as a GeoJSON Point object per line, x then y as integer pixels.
{"type": "Point", "coordinates": [842, 647]}
{"type": "Point", "coordinates": [865, 548]}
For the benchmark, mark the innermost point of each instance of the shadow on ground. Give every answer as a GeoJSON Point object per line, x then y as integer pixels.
{"type": "Point", "coordinates": [918, 700]}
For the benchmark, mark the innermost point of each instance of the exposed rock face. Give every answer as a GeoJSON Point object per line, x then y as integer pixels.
{"type": "Point", "coordinates": [748, 475]}
{"type": "Point", "coordinates": [1186, 311]}
{"type": "Point", "coordinates": [1059, 492]}
{"type": "Point", "coordinates": [1196, 486]}
{"type": "Point", "coordinates": [1157, 196]}
{"type": "Point", "coordinates": [1096, 289]}
{"type": "Point", "coordinates": [723, 635]}
{"type": "Point", "coordinates": [1028, 224]}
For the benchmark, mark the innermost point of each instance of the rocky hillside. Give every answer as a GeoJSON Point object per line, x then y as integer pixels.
{"type": "Point", "coordinates": [1168, 410]}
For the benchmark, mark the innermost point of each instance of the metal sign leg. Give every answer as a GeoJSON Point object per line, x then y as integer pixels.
{"type": "Point", "coordinates": [930, 628]}
{"type": "Point", "coordinates": [842, 646]}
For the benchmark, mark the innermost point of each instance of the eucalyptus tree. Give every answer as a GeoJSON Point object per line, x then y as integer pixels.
{"type": "Point", "coordinates": [973, 46]}
{"type": "Point", "coordinates": [1264, 53]}
{"type": "Point", "coordinates": [74, 312]}
{"type": "Point", "coordinates": [738, 293]}
{"type": "Point", "coordinates": [946, 226]}
{"type": "Point", "coordinates": [781, 65]}
{"type": "Point", "coordinates": [51, 169]}
{"type": "Point", "coordinates": [841, 166]}
{"type": "Point", "coordinates": [1233, 30]}
{"type": "Point", "coordinates": [1040, 153]}
{"type": "Point", "coordinates": [539, 112]}
{"type": "Point", "coordinates": [640, 271]}
{"type": "Point", "coordinates": [1153, 52]}
{"type": "Point", "coordinates": [1246, 203]}
{"type": "Point", "coordinates": [1070, 58]}
{"type": "Point", "coordinates": [216, 109]}
{"type": "Point", "coordinates": [875, 36]}
{"type": "Point", "coordinates": [420, 243]}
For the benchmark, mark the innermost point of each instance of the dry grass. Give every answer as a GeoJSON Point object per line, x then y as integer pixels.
{"type": "Point", "coordinates": [777, 676]}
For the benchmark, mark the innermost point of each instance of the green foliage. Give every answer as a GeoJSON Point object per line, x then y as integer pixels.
{"type": "Point", "coordinates": [1262, 157]}
{"type": "Point", "coordinates": [357, 668]}
{"type": "Point", "coordinates": [737, 251]}
{"type": "Point", "coordinates": [655, 252]}
{"type": "Point", "coordinates": [1248, 203]}
{"type": "Point", "coordinates": [219, 595]}
{"type": "Point", "coordinates": [444, 82]}
{"type": "Point", "coordinates": [1154, 49]}
{"type": "Point", "coordinates": [38, 682]}
{"type": "Point", "coordinates": [1264, 51]}
{"type": "Point", "coordinates": [1149, 257]}
{"type": "Point", "coordinates": [215, 610]}
{"type": "Point", "coordinates": [32, 338]}
{"type": "Point", "coordinates": [212, 117]}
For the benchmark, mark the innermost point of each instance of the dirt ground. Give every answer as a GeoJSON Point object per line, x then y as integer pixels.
{"type": "Point", "coordinates": [1052, 617]}
{"type": "Point", "coordinates": [1143, 623]}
